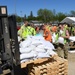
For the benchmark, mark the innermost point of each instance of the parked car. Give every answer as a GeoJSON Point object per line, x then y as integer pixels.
{"type": "Point", "coordinates": [19, 25]}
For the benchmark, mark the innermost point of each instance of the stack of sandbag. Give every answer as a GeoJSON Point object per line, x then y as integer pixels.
{"type": "Point", "coordinates": [35, 47]}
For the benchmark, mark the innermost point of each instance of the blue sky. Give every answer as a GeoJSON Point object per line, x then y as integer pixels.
{"type": "Point", "coordinates": [26, 6]}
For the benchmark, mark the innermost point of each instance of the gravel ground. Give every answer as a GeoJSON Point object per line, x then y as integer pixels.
{"type": "Point", "coordinates": [71, 63]}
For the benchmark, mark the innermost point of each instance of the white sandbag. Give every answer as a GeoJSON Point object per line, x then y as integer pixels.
{"type": "Point", "coordinates": [38, 37]}
{"type": "Point", "coordinates": [32, 47]}
{"type": "Point", "coordinates": [25, 50]}
{"type": "Point", "coordinates": [51, 52]}
{"type": "Point", "coordinates": [36, 43]}
{"type": "Point", "coordinates": [42, 55]}
{"type": "Point", "coordinates": [25, 43]}
{"type": "Point", "coordinates": [40, 46]}
{"type": "Point", "coordinates": [40, 50]}
{"type": "Point", "coordinates": [47, 48]}
{"type": "Point", "coordinates": [72, 38]}
{"type": "Point", "coordinates": [29, 37]}
{"type": "Point", "coordinates": [48, 44]}
{"type": "Point", "coordinates": [25, 56]}
{"type": "Point", "coordinates": [61, 40]}
{"type": "Point", "coordinates": [28, 55]}
{"type": "Point", "coordinates": [24, 60]}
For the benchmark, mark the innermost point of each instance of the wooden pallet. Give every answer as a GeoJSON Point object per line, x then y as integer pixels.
{"type": "Point", "coordinates": [63, 66]}
{"type": "Point", "coordinates": [58, 66]}
{"type": "Point", "coordinates": [54, 65]}
{"type": "Point", "coordinates": [36, 61]}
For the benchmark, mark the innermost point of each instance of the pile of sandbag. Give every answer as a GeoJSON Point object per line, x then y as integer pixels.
{"type": "Point", "coordinates": [35, 47]}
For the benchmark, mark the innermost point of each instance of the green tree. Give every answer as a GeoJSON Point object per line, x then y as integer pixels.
{"type": "Point", "coordinates": [30, 17]}
{"type": "Point", "coordinates": [45, 14]}
{"type": "Point", "coordinates": [60, 16]}
{"type": "Point", "coordinates": [18, 18]}
{"type": "Point", "coordinates": [72, 13]}
{"type": "Point", "coordinates": [31, 14]}
{"type": "Point", "coordinates": [54, 15]}
{"type": "Point", "coordinates": [25, 17]}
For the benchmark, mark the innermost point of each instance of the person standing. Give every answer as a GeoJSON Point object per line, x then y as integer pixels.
{"type": "Point", "coordinates": [30, 30]}
{"type": "Point", "coordinates": [22, 30]}
{"type": "Point", "coordinates": [64, 33]}
{"type": "Point", "coordinates": [47, 35]}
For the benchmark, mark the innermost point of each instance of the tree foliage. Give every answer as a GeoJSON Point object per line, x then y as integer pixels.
{"type": "Point", "coordinates": [18, 18]}
{"type": "Point", "coordinates": [50, 16]}
{"type": "Point", "coordinates": [60, 16]}
{"type": "Point", "coordinates": [31, 14]}
{"type": "Point", "coordinates": [72, 13]}
{"type": "Point", "coordinates": [46, 15]}
{"type": "Point", "coordinates": [25, 17]}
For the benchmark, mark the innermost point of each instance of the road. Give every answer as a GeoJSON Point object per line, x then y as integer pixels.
{"type": "Point", "coordinates": [71, 63]}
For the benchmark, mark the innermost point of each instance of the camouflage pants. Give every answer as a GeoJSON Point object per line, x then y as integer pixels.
{"type": "Point", "coordinates": [62, 50]}
{"type": "Point", "coordinates": [66, 48]}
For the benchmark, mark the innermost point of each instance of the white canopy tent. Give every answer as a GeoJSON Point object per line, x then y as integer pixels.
{"type": "Point", "coordinates": [69, 20]}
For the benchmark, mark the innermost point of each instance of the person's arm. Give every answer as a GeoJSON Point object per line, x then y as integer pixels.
{"type": "Point", "coordinates": [67, 34]}
{"type": "Point", "coordinates": [45, 35]}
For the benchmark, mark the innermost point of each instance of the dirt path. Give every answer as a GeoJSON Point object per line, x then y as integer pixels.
{"type": "Point", "coordinates": [71, 62]}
